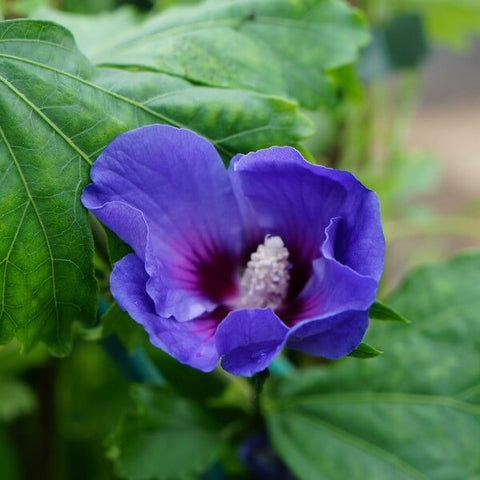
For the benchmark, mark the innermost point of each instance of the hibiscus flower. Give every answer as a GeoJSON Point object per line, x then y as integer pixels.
{"type": "Point", "coordinates": [236, 264]}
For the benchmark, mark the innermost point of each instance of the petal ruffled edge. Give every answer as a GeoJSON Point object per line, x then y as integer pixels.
{"type": "Point", "coordinates": [192, 342]}
{"type": "Point", "coordinates": [362, 244]}
{"type": "Point", "coordinates": [331, 337]}
{"type": "Point", "coordinates": [290, 198]}
{"type": "Point", "coordinates": [332, 287]}
{"type": "Point", "coordinates": [166, 192]}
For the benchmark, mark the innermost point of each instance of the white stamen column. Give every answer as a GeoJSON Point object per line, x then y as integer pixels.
{"type": "Point", "coordinates": [265, 280]}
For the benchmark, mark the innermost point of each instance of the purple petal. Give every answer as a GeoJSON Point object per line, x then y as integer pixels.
{"type": "Point", "coordinates": [166, 192]}
{"type": "Point", "coordinates": [248, 340]}
{"type": "Point", "coordinates": [331, 337]}
{"type": "Point", "coordinates": [332, 287]}
{"type": "Point", "coordinates": [360, 243]}
{"type": "Point", "coordinates": [192, 342]}
{"type": "Point", "coordinates": [290, 197]}
{"type": "Point", "coordinates": [296, 200]}
{"type": "Point", "coordinates": [254, 235]}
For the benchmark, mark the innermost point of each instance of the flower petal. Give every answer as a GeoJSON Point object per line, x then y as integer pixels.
{"type": "Point", "coordinates": [192, 342]}
{"type": "Point", "coordinates": [332, 287]}
{"type": "Point", "coordinates": [254, 235]}
{"type": "Point", "coordinates": [166, 192]}
{"type": "Point", "coordinates": [291, 198]}
{"type": "Point", "coordinates": [248, 340]}
{"type": "Point", "coordinates": [331, 337]}
{"type": "Point", "coordinates": [296, 200]}
{"type": "Point", "coordinates": [360, 243]}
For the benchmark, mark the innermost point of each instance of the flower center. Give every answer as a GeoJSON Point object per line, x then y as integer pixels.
{"type": "Point", "coordinates": [265, 280]}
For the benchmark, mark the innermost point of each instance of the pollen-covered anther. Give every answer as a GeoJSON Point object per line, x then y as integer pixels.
{"type": "Point", "coordinates": [265, 280]}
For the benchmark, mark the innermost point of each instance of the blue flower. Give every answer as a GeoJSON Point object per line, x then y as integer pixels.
{"type": "Point", "coordinates": [236, 264]}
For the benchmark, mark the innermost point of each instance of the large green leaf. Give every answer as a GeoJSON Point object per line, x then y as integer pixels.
{"type": "Point", "coordinates": [284, 47]}
{"type": "Point", "coordinates": [414, 412]}
{"type": "Point", "coordinates": [234, 120]}
{"type": "Point", "coordinates": [57, 112]}
{"type": "Point", "coordinates": [165, 437]}
{"type": "Point", "coordinates": [46, 273]}
{"type": "Point", "coordinates": [92, 32]}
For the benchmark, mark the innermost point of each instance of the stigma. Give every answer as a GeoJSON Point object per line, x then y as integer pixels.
{"type": "Point", "coordinates": [266, 277]}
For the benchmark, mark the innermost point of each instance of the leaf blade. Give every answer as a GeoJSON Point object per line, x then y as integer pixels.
{"type": "Point", "coordinates": [266, 46]}
{"type": "Point", "coordinates": [173, 438]}
{"type": "Point", "coordinates": [364, 350]}
{"type": "Point", "coordinates": [382, 311]}
{"type": "Point", "coordinates": [57, 112]}
{"type": "Point", "coordinates": [410, 414]}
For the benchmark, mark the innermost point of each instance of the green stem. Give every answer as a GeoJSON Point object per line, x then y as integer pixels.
{"type": "Point", "coordinates": [100, 240]}
{"type": "Point", "coordinates": [281, 367]}
{"type": "Point", "coordinates": [136, 366]}
{"type": "Point", "coordinates": [258, 382]}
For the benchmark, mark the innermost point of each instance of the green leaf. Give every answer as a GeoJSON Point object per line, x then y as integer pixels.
{"type": "Point", "coordinates": [380, 311]}
{"type": "Point", "coordinates": [16, 399]}
{"type": "Point", "coordinates": [57, 112]}
{"type": "Point", "coordinates": [46, 274]}
{"type": "Point", "coordinates": [364, 350]}
{"type": "Point", "coordinates": [166, 437]}
{"type": "Point", "coordinates": [91, 394]}
{"type": "Point", "coordinates": [234, 120]}
{"type": "Point", "coordinates": [92, 32]}
{"type": "Point", "coordinates": [283, 47]}
{"type": "Point", "coordinates": [410, 414]}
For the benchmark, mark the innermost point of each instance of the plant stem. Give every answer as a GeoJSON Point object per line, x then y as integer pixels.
{"type": "Point", "coordinates": [258, 382]}
{"type": "Point", "coordinates": [136, 366]}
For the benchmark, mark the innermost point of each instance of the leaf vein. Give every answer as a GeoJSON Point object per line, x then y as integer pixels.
{"type": "Point", "coordinates": [47, 120]}
{"type": "Point", "coordinates": [365, 445]}
{"type": "Point", "coordinates": [115, 95]}
{"type": "Point", "coordinates": [7, 258]}
{"type": "Point", "coordinates": [39, 218]}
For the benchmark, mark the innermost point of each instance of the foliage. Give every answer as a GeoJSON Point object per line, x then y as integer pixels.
{"type": "Point", "coordinates": [246, 75]}
{"type": "Point", "coordinates": [264, 48]}
{"type": "Point", "coordinates": [59, 139]}
{"type": "Point", "coordinates": [411, 413]}
{"type": "Point", "coordinates": [173, 438]}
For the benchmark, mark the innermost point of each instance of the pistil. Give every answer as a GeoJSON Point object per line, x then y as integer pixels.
{"type": "Point", "coordinates": [266, 278]}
